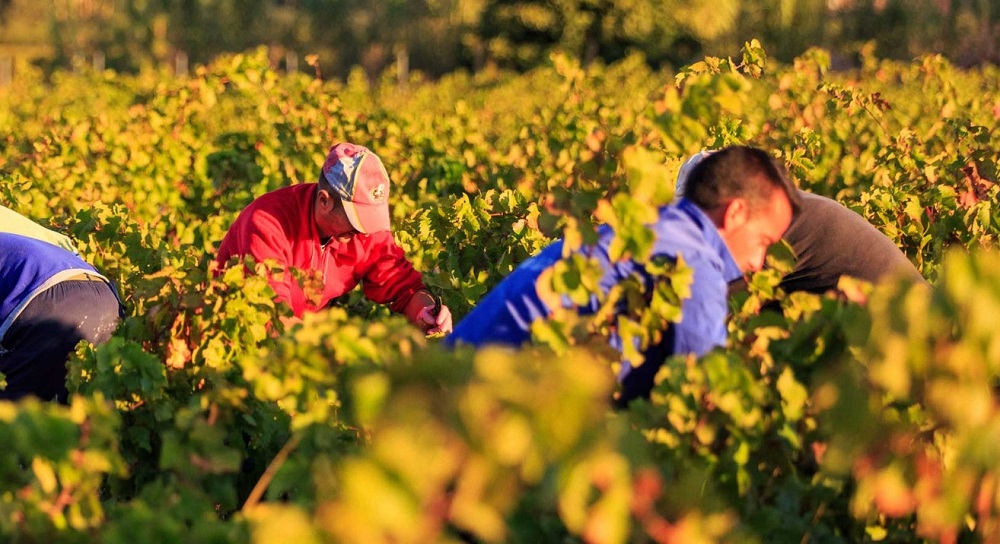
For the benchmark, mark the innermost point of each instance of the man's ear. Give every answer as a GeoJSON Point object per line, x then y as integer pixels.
{"type": "Point", "coordinates": [736, 214]}
{"type": "Point", "coordinates": [324, 200]}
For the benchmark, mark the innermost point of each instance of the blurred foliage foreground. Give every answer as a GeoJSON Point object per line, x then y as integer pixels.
{"type": "Point", "coordinates": [864, 415]}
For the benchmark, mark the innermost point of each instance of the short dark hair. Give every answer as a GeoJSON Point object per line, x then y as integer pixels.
{"type": "Point", "coordinates": [739, 171]}
{"type": "Point", "coordinates": [323, 183]}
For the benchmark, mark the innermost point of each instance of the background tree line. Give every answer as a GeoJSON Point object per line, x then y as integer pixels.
{"type": "Point", "coordinates": [439, 36]}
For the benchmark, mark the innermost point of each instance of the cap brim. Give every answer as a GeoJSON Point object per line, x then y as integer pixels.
{"type": "Point", "coordinates": [367, 218]}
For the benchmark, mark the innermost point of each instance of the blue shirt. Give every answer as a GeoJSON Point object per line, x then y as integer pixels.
{"type": "Point", "coordinates": [505, 315]}
{"type": "Point", "coordinates": [28, 267]}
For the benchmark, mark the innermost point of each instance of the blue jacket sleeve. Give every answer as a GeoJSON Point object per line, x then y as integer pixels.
{"type": "Point", "coordinates": [703, 315]}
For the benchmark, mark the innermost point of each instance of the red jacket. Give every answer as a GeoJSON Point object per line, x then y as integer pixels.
{"type": "Point", "coordinates": [279, 225]}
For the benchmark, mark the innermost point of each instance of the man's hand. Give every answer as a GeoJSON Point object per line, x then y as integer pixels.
{"type": "Point", "coordinates": [435, 318]}
{"type": "Point", "coordinates": [426, 311]}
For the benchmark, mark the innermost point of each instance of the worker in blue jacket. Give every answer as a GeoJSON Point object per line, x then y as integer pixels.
{"type": "Point", "coordinates": [738, 202]}
{"type": "Point", "coordinates": [829, 240]}
{"type": "Point", "coordinates": [50, 299]}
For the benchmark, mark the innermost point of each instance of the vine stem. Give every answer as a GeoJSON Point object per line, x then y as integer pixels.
{"type": "Point", "coordinates": [272, 469]}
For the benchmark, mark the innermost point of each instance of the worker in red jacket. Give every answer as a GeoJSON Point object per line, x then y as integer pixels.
{"type": "Point", "coordinates": [339, 229]}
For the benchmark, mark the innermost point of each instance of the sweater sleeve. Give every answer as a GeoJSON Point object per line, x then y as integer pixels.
{"type": "Point", "coordinates": [262, 237]}
{"type": "Point", "coordinates": [390, 278]}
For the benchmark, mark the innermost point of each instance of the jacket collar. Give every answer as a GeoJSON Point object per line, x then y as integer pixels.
{"type": "Point", "coordinates": [730, 270]}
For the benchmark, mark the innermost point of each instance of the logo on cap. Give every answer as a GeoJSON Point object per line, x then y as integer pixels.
{"type": "Point", "coordinates": [378, 193]}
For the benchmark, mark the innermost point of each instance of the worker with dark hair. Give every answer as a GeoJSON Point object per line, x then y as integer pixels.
{"type": "Point", "coordinates": [740, 201]}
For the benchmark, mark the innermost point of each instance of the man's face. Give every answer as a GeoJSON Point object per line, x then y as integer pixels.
{"type": "Point", "coordinates": [748, 232]}
{"type": "Point", "coordinates": [331, 219]}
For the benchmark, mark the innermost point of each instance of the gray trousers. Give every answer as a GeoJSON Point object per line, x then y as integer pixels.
{"type": "Point", "coordinates": [38, 343]}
